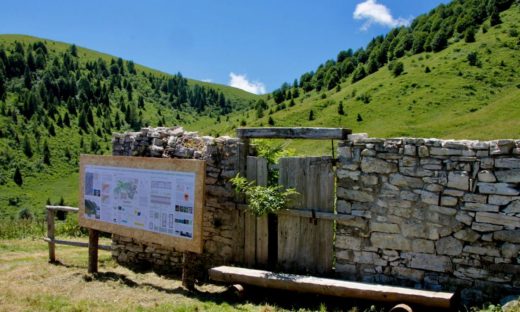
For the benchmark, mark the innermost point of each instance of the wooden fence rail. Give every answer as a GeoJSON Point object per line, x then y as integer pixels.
{"type": "Point", "coordinates": [52, 241]}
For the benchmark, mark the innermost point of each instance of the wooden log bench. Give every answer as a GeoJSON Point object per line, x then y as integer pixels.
{"type": "Point", "coordinates": [332, 287]}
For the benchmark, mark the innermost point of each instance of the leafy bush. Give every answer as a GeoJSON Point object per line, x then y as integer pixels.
{"type": "Point", "coordinates": [262, 200]}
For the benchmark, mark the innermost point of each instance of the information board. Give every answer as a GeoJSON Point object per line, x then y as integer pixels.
{"type": "Point", "coordinates": [151, 199]}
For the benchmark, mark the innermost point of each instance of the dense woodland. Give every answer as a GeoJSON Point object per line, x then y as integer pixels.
{"type": "Point", "coordinates": [42, 91]}
{"type": "Point", "coordinates": [432, 32]}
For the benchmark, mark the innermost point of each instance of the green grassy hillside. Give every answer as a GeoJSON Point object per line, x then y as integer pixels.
{"type": "Point", "coordinates": [438, 94]}
{"type": "Point", "coordinates": [56, 103]}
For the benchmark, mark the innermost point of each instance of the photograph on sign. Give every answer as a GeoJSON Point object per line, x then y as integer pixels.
{"type": "Point", "coordinates": [137, 196]}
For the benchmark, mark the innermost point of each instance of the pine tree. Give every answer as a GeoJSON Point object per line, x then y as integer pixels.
{"type": "Point", "coordinates": [46, 153]}
{"type": "Point", "coordinates": [73, 50]}
{"type": "Point", "coordinates": [311, 115]}
{"type": "Point", "coordinates": [340, 108]}
{"type": "Point", "coordinates": [66, 119]}
{"type": "Point", "coordinates": [27, 149]}
{"type": "Point", "coordinates": [17, 178]}
{"type": "Point", "coordinates": [52, 130]}
{"type": "Point", "coordinates": [495, 17]}
{"type": "Point", "coordinates": [27, 80]}
{"type": "Point", "coordinates": [359, 118]}
{"type": "Point", "coordinates": [270, 121]}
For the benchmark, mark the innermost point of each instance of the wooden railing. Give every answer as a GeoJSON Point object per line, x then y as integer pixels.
{"type": "Point", "coordinates": [52, 241]}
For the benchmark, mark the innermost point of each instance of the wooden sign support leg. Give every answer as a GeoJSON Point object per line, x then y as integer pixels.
{"type": "Point", "coordinates": [50, 235]}
{"type": "Point", "coordinates": [189, 270]}
{"type": "Point", "coordinates": [93, 242]}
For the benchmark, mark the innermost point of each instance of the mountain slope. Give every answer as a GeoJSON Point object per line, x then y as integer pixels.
{"type": "Point", "coordinates": [439, 94]}
{"type": "Point", "coordinates": [58, 100]}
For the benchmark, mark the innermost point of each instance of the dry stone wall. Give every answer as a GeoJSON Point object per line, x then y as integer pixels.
{"type": "Point", "coordinates": [220, 213]}
{"type": "Point", "coordinates": [428, 213]}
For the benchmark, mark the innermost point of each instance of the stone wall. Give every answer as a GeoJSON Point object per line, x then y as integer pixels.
{"type": "Point", "coordinates": [219, 212]}
{"type": "Point", "coordinates": [427, 213]}
{"type": "Point", "coordinates": [433, 214]}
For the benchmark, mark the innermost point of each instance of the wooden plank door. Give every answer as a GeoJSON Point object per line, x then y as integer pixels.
{"type": "Point", "coordinates": [305, 245]}
{"type": "Point", "coordinates": [256, 231]}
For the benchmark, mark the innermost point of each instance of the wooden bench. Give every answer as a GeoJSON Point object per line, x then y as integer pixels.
{"type": "Point", "coordinates": [331, 287]}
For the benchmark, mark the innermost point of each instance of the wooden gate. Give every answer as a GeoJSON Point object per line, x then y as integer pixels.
{"type": "Point", "coordinates": [306, 244]}
{"type": "Point", "coordinates": [298, 239]}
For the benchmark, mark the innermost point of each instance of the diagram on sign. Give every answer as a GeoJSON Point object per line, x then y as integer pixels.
{"type": "Point", "coordinates": [155, 200]}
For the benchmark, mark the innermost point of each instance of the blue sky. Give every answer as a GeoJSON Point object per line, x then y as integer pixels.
{"type": "Point", "coordinates": [252, 45]}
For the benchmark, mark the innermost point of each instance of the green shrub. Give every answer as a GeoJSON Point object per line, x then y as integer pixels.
{"type": "Point", "coordinates": [262, 200]}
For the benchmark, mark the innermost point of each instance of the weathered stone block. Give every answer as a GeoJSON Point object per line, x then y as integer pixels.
{"type": "Point", "coordinates": [475, 198]}
{"type": "Point", "coordinates": [513, 207]}
{"type": "Point", "coordinates": [343, 207]}
{"type": "Point", "coordinates": [453, 192]}
{"type": "Point", "coordinates": [511, 236]}
{"type": "Point", "coordinates": [483, 251]}
{"type": "Point", "coordinates": [410, 150]}
{"type": "Point", "coordinates": [486, 176]}
{"type": "Point", "coordinates": [415, 172]}
{"type": "Point", "coordinates": [480, 207]}
{"type": "Point", "coordinates": [375, 165]}
{"type": "Point", "coordinates": [498, 219]}
{"type": "Point", "coordinates": [485, 227]}
{"type": "Point", "coordinates": [347, 174]}
{"type": "Point", "coordinates": [369, 179]}
{"type": "Point", "coordinates": [509, 176]}
{"type": "Point", "coordinates": [448, 246]}
{"type": "Point", "coordinates": [348, 242]}
{"type": "Point", "coordinates": [408, 274]}
{"type": "Point", "coordinates": [508, 163]}
{"type": "Point", "coordinates": [464, 217]}
{"type": "Point", "coordinates": [384, 227]}
{"type": "Point", "coordinates": [436, 151]}
{"type": "Point", "coordinates": [501, 200]}
{"type": "Point", "coordinates": [390, 241]}
{"type": "Point", "coordinates": [423, 151]}
{"type": "Point", "coordinates": [467, 235]}
{"type": "Point", "coordinates": [510, 250]}
{"type": "Point", "coordinates": [429, 262]}
{"type": "Point", "coordinates": [428, 197]}
{"type": "Point", "coordinates": [405, 181]}
{"type": "Point", "coordinates": [423, 246]}
{"type": "Point", "coordinates": [355, 195]}
{"type": "Point", "coordinates": [419, 230]}
{"type": "Point", "coordinates": [497, 189]}
{"type": "Point", "coordinates": [449, 201]}
{"type": "Point", "coordinates": [458, 180]}
{"type": "Point", "coordinates": [470, 273]}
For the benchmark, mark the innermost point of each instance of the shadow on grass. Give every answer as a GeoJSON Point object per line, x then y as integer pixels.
{"type": "Point", "coordinates": [258, 296]}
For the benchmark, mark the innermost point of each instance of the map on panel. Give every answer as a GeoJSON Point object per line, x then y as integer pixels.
{"type": "Point", "coordinates": [154, 200]}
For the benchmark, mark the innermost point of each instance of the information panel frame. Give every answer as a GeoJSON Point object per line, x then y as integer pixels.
{"type": "Point", "coordinates": [142, 166]}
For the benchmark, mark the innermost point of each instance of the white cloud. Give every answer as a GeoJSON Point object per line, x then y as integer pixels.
{"type": "Point", "coordinates": [376, 13]}
{"type": "Point", "coordinates": [207, 80]}
{"type": "Point", "coordinates": [240, 81]}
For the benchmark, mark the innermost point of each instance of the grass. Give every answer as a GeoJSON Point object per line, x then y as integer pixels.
{"type": "Point", "coordinates": [29, 283]}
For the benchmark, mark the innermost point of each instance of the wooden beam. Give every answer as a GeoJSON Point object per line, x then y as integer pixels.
{"type": "Point", "coordinates": [331, 287]}
{"type": "Point", "coordinates": [62, 208]}
{"type": "Point", "coordinates": [75, 244]}
{"type": "Point", "coordinates": [307, 213]}
{"type": "Point", "coordinates": [294, 133]}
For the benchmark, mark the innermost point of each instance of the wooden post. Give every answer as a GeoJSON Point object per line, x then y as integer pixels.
{"type": "Point", "coordinates": [189, 270]}
{"type": "Point", "coordinates": [93, 241]}
{"type": "Point", "coordinates": [50, 235]}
